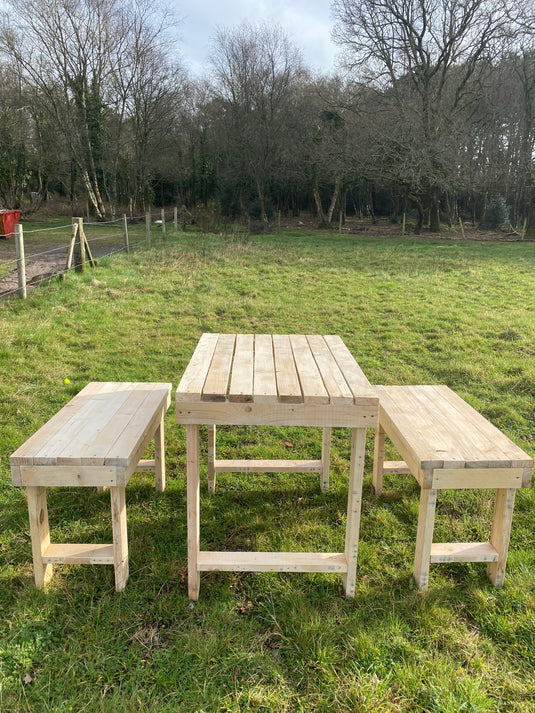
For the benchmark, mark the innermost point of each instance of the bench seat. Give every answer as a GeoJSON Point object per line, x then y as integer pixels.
{"type": "Point", "coordinates": [96, 440]}
{"type": "Point", "coordinates": [446, 444]}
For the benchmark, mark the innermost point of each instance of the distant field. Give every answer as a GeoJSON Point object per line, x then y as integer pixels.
{"type": "Point", "coordinates": [411, 310]}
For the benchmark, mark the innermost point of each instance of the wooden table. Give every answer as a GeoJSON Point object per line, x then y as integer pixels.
{"type": "Point", "coordinates": [446, 444]}
{"type": "Point", "coordinates": [97, 439]}
{"type": "Point", "coordinates": [288, 380]}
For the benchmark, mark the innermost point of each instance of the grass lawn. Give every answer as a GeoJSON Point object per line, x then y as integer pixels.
{"type": "Point", "coordinates": [411, 311]}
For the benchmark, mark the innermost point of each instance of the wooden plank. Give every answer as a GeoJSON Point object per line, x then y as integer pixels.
{"type": "Point", "coordinates": [39, 533]}
{"type": "Point", "coordinates": [67, 475]}
{"type": "Point", "coordinates": [145, 466]}
{"type": "Point", "coordinates": [265, 381]}
{"type": "Point", "coordinates": [396, 466]}
{"type": "Point", "coordinates": [440, 434]}
{"type": "Point", "coordinates": [312, 386]}
{"type": "Point", "coordinates": [354, 504]}
{"type": "Point", "coordinates": [100, 426]}
{"type": "Point", "coordinates": [131, 443]}
{"type": "Point", "coordinates": [193, 509]}
{"type": "Point", "coordinates": [333, 379]}
{"type": "Point", "coordinates": [78, 554]}
{"type": "Point", "coordinates": [192, 381]}
{"type": "Point", "coordinates": [406, 431]}
{"type": "Point", "coordinates": [463, 552]}
{"type": "Point", "coordinates": [424, 536]}
{"type": "Point", "coordinates": [241, 381]}
{"type": "Point", "coordinates": [465, 478]}
{"type": "Point", "coordinates": [455, 432]}
{"type": "Point", "coordinates": [268, 466]}
{"type": "Point", "coordinates": [501, 532]}
{"type": "Point", "coordinates": [325, 459]}
{"type": "Point", "coordinates": [271, 562]}
{"type": "Point", "coordinates": [353, 374]}
{"type": "Point", "coordinates": [497, 445]}
{"type": "Point", "coordinates": [216, 384]}
{"type": "Point", "coordinates": [288, 386]}
{"type": "Point", "coordinates": [24, 455]}
{"type": "Point", "coordinates": [298, 414]}
{"type": "Point", "coordinates": [120, 537]}
{"type": "Point", "coordinates": [88, 418]}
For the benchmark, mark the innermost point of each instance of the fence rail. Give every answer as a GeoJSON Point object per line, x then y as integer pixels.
{"type": "Point", "coordinates": [31, 268]}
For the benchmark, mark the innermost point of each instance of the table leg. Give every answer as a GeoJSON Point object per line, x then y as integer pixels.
{"type": "Point", "coordinates": [424, 536]}
{"type": "Point", "coordinates": [192, 469]}
{"type": "Point", "coordinates": [40, 533]}
{"type": "Point", "coordinates": [354, 502]}
{"type": "Point", "coordinates": [120, 536]}
{"type": "Point", "coordinates": [378, 460]}
{"type": "Point", "coordinates": [211, 458]}
{"type": "Point", "coordinates": [501, 532]}
{"type": "Point", "coordinates": [325, 459]}
{"type": "Point", "coordinates": [159, 457]}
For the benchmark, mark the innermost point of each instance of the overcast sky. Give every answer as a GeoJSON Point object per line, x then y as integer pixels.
{"type": "Point", "coordinates": [306, 22]}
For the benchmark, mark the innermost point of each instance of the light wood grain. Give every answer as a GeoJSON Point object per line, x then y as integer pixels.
{"type": "Point", "coordinates": [288, 386]}
{"type": "Point", "coordinates": [217, 379]}
{"type": "Point", "coordinates": [265, 381]}
{"type": "Point", "coordinates": [191, 384]}
{"type": "Point", "coordinates": [271, 562]}
{"type": "Point", "coordinates": [241, 381]}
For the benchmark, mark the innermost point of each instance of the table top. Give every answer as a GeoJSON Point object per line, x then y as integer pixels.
{"type": "Point", "coordinates": [441, 430]}
{"type": "Point", "coordinates": [274, 369]}
{"type": "Point", "coordinates": [103, 425]}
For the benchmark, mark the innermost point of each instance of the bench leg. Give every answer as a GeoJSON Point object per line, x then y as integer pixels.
{"type": "Point", "coordinates": [501, 532]}
{"type": "Point", "coordinates": [378, 460]}
{"type": "Point", "coordinates": [354, 502]}
{"type": "Point", "coordinates": [192, 470]}
{"type": "Point", "coordinates": [159, 457]}
{"type": "Point", "coordinates": [120, 536]}
{"type": "Point", "coordinates": [424, 536]}
{"type": "Point", "coordinates": [40, 533]}
{"type": "Point", "coordinates": [325, 459]}
{"type": "Point", "coordinates": [211, 458]}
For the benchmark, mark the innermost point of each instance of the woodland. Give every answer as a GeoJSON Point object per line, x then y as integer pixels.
{"type": "Point", "coordinates": [432, 113]}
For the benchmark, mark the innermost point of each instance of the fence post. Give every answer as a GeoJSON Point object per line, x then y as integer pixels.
{"type": "Point", "coordinates": [79, 247]}
{"type": "Point", "coordinates": [175, 218]}
{"type": "Point", "coordinates": [163, 224]}
{"type": "Point", "coordinates": [147, 227]}
{"type": "Point", "coordinates": [125, 232]}
{"type": "Point", "coordinates": [21, 261]}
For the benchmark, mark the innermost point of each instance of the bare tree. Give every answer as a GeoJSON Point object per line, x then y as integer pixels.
{"type": "Point", "coordinates": [423, 54]}
{"type": "Point", "coordinates": [256, 72]}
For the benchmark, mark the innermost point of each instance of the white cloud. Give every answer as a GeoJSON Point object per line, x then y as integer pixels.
{"type": "Point", "coordinates": [306, 22]}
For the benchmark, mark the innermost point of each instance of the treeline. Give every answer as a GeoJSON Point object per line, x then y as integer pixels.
{"type": "Point", "coordinates": [434, 114]}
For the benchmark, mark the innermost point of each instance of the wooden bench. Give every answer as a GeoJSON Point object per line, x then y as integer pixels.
{"type": "Point", "coordinates": [97, 439]}
{"type": "Point", "coordinates": [446, 444]}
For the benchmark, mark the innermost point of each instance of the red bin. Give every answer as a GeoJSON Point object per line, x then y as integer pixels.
{"type": "Point", "coordinates": [8, 221]}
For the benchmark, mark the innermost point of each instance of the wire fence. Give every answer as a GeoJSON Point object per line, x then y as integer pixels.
{"type": "Point", "coordinates": [32, 257]}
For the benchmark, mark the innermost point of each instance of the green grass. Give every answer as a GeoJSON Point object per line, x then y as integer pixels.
{"type": "Point", "coordinates": [411, 311]}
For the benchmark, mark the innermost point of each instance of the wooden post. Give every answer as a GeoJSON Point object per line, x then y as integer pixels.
{"type": "Point", "coordinates": [79, 247]}
{"type": "Point", "coordinates": [125, 233]}
{"type": "Point", "coordinates": [163, 224]}
{"type": "Point", "coordinates": [70, 252]}
{"type": "Point", "coordinates": [21, 261]}
{"type": "Point", "coordinates": [175, 218]}
{"type": "Point", "coordinates": [147, 227]}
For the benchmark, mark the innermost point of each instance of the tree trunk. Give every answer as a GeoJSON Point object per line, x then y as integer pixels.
{"type": "Point", "coordinates": [319, 207]}
{"type": "Point", "coordinates": [434, 209]}
{"type": "Point", "coordinates": [334, 198]}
